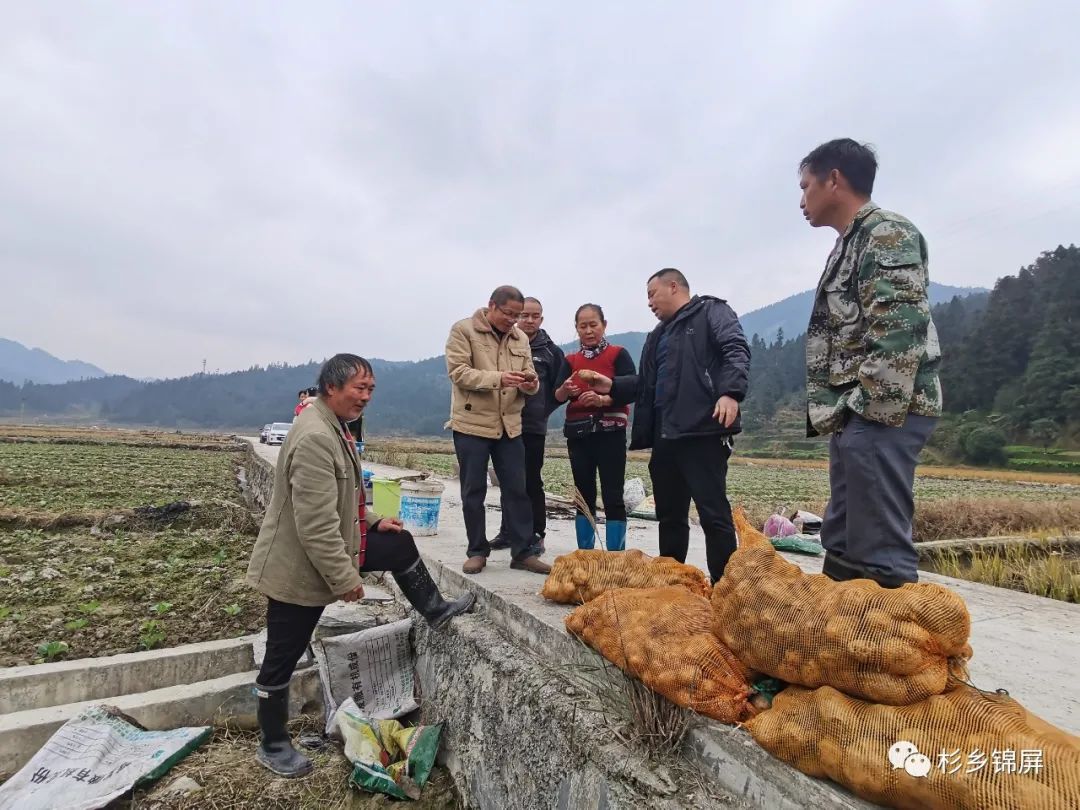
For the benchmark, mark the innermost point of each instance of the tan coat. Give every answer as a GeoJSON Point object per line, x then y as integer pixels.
{"type": "Point", "coordinates": [476, 360]}
{"type": "Point", "coordinates": [306, 552]}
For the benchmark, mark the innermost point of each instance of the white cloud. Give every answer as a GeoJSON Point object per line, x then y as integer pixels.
{"type": "Point", "coordinates": [252, 184]}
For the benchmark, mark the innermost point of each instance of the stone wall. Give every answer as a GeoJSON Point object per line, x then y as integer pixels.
{"type": "Point", "coordinates": [514, 734]}
{"type": "Point", "coordinates": [259, 475]}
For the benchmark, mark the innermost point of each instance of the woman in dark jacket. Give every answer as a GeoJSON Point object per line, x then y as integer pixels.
{"type": "Point", "coordinates": [595, 428]}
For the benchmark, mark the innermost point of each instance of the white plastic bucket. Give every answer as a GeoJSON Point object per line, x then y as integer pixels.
{"type": "Point", "coordinates": [420, 507]}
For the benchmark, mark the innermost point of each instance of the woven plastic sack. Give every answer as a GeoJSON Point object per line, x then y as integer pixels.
{"type": "Point", "coordinates": [633, 494]}
{"type": "Point", "coordinates": [798, 543]}
{"type": "Point", "coordinates": [961, 749]}
{"type": "Point", "coordinates": [661, 636]}
{"type": "Point", "coordinates": [583, 575]}
{"type": "Point", "coordinates": [887, 645]}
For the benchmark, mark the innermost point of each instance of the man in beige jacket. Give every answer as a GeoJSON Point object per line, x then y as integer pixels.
{"type": "Point", "coordinates": [489, 361]}
{"type": "Point", "coordinates": [315, 540]}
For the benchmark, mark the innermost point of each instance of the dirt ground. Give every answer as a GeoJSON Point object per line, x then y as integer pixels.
{"type": "Point", "coordinates": [231, 779]}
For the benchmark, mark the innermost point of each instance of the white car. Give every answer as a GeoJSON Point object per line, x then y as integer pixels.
{"type": "Point", "coordinates": [278, 432]}
{"type": "Point", "coordinates": [264, 433]}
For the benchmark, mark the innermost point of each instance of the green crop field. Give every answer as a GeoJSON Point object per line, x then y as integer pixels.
{"type": "Point", "coordinates": [81, 575]}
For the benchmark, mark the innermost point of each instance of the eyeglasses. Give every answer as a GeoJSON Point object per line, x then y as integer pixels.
{"type": "Point", "coordinates": [514, 316]}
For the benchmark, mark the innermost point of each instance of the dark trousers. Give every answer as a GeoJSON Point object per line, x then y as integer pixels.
{"type": "Point", "coordinates": [508, 457]}
{"type": "Point", "coordinates": [866, 531]}
{"type": "Point", "coordinates": [289, 627]}
{"type": "Point", "coordinates": [534, 484]}
{"type": "Point", "coordinates": [603, 452]}
{"type": "Point", "coordinates": [696, 468]}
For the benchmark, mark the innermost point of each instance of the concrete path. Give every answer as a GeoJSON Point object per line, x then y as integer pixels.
{"type": "Point", "coordinates": [1025, 644]}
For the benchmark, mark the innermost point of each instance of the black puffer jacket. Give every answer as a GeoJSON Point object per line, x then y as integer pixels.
{"type": "Point", "coordinates": [547, 359]}
{"type": "Point", "coordinates": [707, 357]}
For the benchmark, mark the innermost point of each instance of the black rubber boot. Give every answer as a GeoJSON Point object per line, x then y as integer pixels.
{"type": "Point", "coordinates": [420, 589]}
{"type": "Point", "coordinates": [276, 752]}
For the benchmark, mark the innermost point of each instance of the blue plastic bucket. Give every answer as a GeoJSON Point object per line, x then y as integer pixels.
{"type": "Point", "coordinates": [420, 507]}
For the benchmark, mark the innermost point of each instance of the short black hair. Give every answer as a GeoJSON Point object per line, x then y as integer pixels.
{"type": "Point", "coordinates": [856, 161]}
{"type": "Point", "coordinates": [500, 295]}
{"type": "Point", "coordinates": [313, 391]}
{"type": "Point", "coordinates": [534, 299]}
{"type": "Point", "coordinates": [302, 392]}
{"type": "Point", "coordinates": [339, 369]}
{"type": "Point", "coordinates": [672, 274]}
{"type": "Point", "coordinates": [597, 307]}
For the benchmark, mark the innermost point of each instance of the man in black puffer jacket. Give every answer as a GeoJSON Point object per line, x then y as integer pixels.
{"type": "Point", "coordinates": [692, 376]}
{"type": "Point", "coordinates": [547, 359]}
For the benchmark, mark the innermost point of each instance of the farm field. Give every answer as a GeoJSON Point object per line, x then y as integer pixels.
{"type": "Point", "coordinates": [85, 571]}
{"type": "Point", "coordinates": [950, 501]}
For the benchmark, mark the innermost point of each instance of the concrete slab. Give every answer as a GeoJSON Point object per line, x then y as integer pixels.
{"type": "Point", "coordinates": [95, 679]}
{"type": "Point", "coordinates": [23, 733]}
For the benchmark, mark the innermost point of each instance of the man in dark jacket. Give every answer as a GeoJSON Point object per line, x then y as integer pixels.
{"type": "Point", "coordinates": [547, 359]}
{"type": "Point", "coordinates": [691, 379]}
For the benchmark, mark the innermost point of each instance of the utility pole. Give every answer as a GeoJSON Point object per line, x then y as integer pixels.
{"type": "Point", "coordinates": [204, 366]}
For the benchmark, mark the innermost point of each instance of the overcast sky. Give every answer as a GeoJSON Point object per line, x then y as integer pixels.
{"type": "Point", "coordinates": [254, 182]}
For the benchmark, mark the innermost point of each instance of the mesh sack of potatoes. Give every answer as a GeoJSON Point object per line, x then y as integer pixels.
{"type": "Point", "coordinates": [888, 645]}
{"type": "Point", "coordinates": [661, 636]}
{"type": "Point", "coordinates": [583, 575]}
{"type": "Point", "coordinates": [960, 749]}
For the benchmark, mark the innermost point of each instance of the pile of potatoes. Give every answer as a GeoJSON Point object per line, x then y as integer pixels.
{"type": "Point", "coordinates": [582, 575]}
{"type": "Point", "coordinates": [825, 733]}
{"type": "Point", "coordinates": [662, 637]}
{"type": "Point", "coordinates": [894, 646]}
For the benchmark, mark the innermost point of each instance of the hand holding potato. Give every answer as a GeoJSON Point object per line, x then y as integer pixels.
{"type": "Point", "coordinates": [595, 380]}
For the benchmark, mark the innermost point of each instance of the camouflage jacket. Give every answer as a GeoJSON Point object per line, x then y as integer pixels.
{"type": "Point", "coordinates": [871, 346]}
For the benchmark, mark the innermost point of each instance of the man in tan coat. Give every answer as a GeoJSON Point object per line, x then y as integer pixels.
{"type": "Point", "coordinates": [489, 361]}
{"type": "Point", "coordinates": [315, 540]}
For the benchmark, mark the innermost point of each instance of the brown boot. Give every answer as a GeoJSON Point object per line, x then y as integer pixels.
{"type": "Point", "coordinates": [474, 565]}
{"type": "Point", "coordinates": [533, 563]}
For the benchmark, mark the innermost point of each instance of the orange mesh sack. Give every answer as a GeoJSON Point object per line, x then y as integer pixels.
{"type": "Point", "coordinates": [961, 749]}
{"type": "Point", "coordinates": [661, 636]}
{"type": "Point", "coordinates": [747, 533]}
{"type": "Point", "coordinates": [583, 575]}
{"type": "Point", "coordinates": [887, 645]}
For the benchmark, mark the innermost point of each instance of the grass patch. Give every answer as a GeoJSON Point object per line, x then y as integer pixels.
{"type": "Point", "coordinates": [1022, 567]}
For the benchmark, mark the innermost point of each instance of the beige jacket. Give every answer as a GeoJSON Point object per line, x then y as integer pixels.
{"type": "Point", "coordinates": [306, 552]}
{"type": "Point", "coordinates": [476, 359]}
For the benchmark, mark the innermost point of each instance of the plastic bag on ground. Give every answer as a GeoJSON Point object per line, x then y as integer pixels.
{"type": "Point", "coordinates": [779, 526]}
{"type": "Point", "coordinates": [583, 575]}
{"type": "Point", "coordinates": [95, 757]}
{"type": "Point", "coordinates": [387, 757]}
{"type": "Point", "coordinates": [888, 645]}
{"type": "Point", "coordinates": [372, 667]}
{"type": "Point", "coordinates": [661, 636]}
{"type": "Point", "coordinates": [798, 543]}
{"type": "Point", "coordinates": [963, 749]}
{"type": "Point", "coordinates": [633, 494]}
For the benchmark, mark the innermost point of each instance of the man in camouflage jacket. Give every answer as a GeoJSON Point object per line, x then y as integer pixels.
{"type": "Point", "coordinates": [872, 359]}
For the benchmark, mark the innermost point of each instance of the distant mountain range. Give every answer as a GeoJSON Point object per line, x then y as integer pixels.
{"type": "Point", "coordinates": [18, 364]}
{"type": "Point", "coordinates": [413, 395]}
